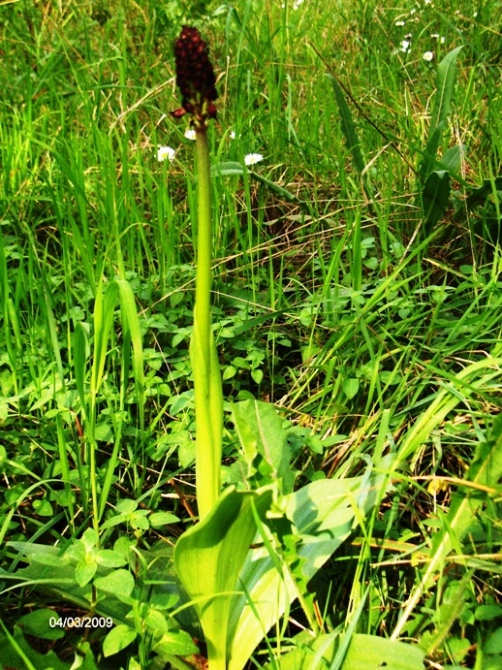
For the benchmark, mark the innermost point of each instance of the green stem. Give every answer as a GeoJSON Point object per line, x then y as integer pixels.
{"type": "Point", "coordinates": [204, 241]}
{"type": "Point", "coordinates": [206, 374]}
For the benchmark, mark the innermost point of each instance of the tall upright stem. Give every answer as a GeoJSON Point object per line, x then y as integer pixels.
{"type": "Point", "coordinates": [204, 237]}
{"type": "Point", "coordinates": [206, 373]}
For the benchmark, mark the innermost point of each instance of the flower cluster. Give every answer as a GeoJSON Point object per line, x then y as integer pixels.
{"type": "Point", "coordinates": [195, 77]}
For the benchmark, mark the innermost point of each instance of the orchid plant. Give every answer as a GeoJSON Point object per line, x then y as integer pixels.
{"type": "Point", "coordinates": [231, 564]}
{"type": "Point", "coordinates": [196, 80]}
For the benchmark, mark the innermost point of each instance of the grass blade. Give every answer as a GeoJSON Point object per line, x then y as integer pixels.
{"type": "Point", "coordinates": [348, 126]}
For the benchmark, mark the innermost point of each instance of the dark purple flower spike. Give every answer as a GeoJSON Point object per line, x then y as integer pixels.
{"type": "Point", "coordinates": [194, 77]}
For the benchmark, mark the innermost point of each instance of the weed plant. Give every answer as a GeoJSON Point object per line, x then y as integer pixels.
{"type": "Point", "coordinates": [372, 327]}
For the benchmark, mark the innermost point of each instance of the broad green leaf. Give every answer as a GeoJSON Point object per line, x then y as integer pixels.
{"type": "Point", "coordinates": [84, 572]}
{"type": "Point", "coordinates": [177, 643]}
{"type": "Point", "coordinates": [127, 506]}
{"type": "Point", "coordinates": [103, 432]}
{"type": "Point", "coordinates": [159, 519]}
{"type": "Point", "coordinates": [350, 387]}
{"type": "Point", "coordinates": [120, 583]}
{"type": "Point", "coordinates": [260, 431]}
{"type": "Point", "coordinates": [452, 158]}
{"type": "Point", "coordinates": [90, 538]}
{"type": "Point", "coordinates": [309, 653]}
{"type": "Point", "coordinates": [39, 553]}
{"type": "Point", "coordinates": [348, 126]}
{"type": "Point", "coordinates": [209, 558]}
{"type": "Point", "coordinates": [110, 559]}
{"type": "Point", "coordinates": [435, 197]}
{"type": "Point", "coordinates": [17, 653]}
{"type": "Point", "coordinates": [43, 507]}
{"type": "Point", "coordinates": [37, 623]}
{"type": "Point", "coordinates": [60, 581]}
{"type": "Point", "coordinates": [323, 515]}
{"type": "Point", "coordinates": [364, 652]}
{"type": "Point", "coordinates": [368, 652]}
{"type": "Point", "coordinates": [118, 639]}
{"type": "Point", "coordinates": [493, 644]}
{"type": "Point", "coordinates": [257, 376]}
{"type": "Point", "coordinates": [156, 622]}
{"type": "Point", "coordinates": [488, 612]}
{"type": "Point", "coordinates": [445, 86]}
{"type": "Point", "coordinates": [114, 521]}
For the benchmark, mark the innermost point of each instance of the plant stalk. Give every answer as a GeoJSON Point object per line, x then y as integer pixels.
{"type": "Point", "coordinates": [205, 365]}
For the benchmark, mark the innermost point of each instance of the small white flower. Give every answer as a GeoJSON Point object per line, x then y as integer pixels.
{"type": "Point", "coordinates": [165, 152]}
{"type": "Point", "coordinates": [405, 45]}
{"type": "Point", "coordinates": [297, 4]}
{"type": "Point", "coordinates": [400, 23]}
{"type": "Point", "coordinates": [252, 159]}
{"type": "Point", "coordinates": [412, 11]}
{"type": "Point", "coordinates": [442, 40]}
{"type": "Point", "coordinates": [428, 55]}
{"type": "Point", "coordinates": [435, 36]}
{"type": "Point", "coordinates": [427, 2]}
{"type": "Point", "coordinates": [190, 134]}
{"type": "Point", "coordinates": [232, 135]}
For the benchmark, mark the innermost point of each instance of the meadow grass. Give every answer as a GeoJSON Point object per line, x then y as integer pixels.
{"type": "Point", "coordinates": [331, 299]}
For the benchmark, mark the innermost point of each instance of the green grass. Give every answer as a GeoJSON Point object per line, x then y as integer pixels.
{"type": "Point", "coordinates": [368, 332]}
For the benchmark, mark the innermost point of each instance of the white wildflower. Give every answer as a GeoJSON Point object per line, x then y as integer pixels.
{"type": "Point", "coordinates": [405, 46]}
{"type": "Point", "coordinates": [165, 152]}
{"type": "Point", "coordinates": [252, 159]}
{"type": "Point", "coordinates": [428, 55]}
{"type": "Point", "coordinates": [190, 134]}
{"type": "Point", "coordinates": [400, 23]}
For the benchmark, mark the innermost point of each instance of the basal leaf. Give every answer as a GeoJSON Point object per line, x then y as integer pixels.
{"type": "Point", "coordinates": [435, 197]}
{"type": "Point", "coordinates": [209, 558]}
{"type": "Point", "coordinates": [323, 515]}
{"type": "Point", "coordinates": [452, 158]}
{"type": "Point", "coordinates": [368, 652]}
{"type": "Point", "coordinates": [445, 87]}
